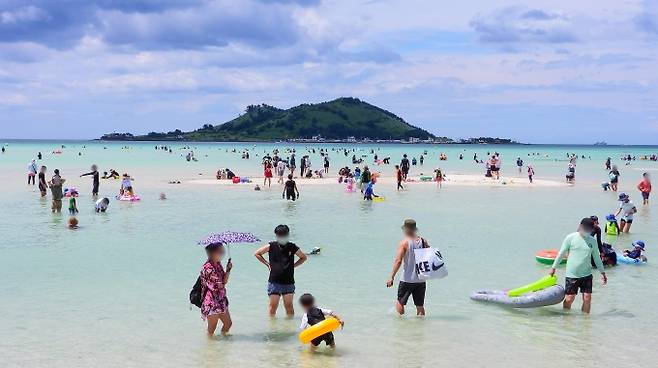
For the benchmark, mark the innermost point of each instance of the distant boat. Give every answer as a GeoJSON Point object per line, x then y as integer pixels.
{"type": "Point", "coordinates": [602, 143]}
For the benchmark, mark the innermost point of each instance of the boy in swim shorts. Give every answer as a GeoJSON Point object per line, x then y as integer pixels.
{"type": "Point", "coordinates": [314, 315]}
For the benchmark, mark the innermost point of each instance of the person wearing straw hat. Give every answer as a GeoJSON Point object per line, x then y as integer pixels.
{"type": "Point", "coordinates": [410, 284]}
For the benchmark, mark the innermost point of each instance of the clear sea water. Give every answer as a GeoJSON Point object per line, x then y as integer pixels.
{"type": "Point", "coordinates": [114, 292]}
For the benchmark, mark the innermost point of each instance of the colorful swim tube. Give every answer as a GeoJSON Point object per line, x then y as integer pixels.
{"type": "Point", "coordinates": [129, 198]}
{"type": "Point", "coordinates": [319, 329]}
{"type": "Point", "coordinates": [547, 256]}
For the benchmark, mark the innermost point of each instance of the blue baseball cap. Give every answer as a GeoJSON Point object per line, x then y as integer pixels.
{"type": "Point", "coordinates": [611, 217]}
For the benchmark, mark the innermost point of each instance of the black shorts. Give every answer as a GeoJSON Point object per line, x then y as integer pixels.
{"type": "Point", "coordinates": [414, 289]}
{"type": "Point", "coordinates": [572, 285]}
{"type": "Point", "coordinates": [645, 195]}
{"type": "Point", "coordinates": [628, 221]}
{"type": "Point", "coordinates": [328, 339]}
{"type": "Point", "coordinates": [291, 196]}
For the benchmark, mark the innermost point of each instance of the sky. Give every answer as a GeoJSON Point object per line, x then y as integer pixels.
{"type": "Point", "coordinates": [541, 71]}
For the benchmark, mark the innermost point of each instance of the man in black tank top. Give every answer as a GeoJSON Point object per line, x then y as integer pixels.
{"type": "Point", "coordinates": [281, 263]}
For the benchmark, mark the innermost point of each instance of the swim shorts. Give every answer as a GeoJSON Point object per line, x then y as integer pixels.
{"type": "Point", "coordinates": [572, 285]}
{"type": "Point", "coordinates": [414, 289]}
{"type": "Point", "coordinates": [628, 221]}
{"type": "Point", "coordinates": [57, 205]}
{"type": "Point", "coordinates": [328, 339]}
{"type": "Point", "coordinates": [645, 195]}
{"type": "Point", "coordinates": [280, 289]}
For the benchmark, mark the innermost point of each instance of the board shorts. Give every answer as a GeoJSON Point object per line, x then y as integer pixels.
{"type": "Point", "coordinates": [572, 285]}
{"type": "Point", "coordinates": [280, 289]}
{"type": "Point", "coordinates": [628, 221]}
{"type": "Point", "coordinates": [328, 339]}
{"type": "Point", "coordinates": [57, 205]}
{"type": "Point", "coordinates": [416, 290]}
{"type": "Point", "coordinates": [645, 195]}
{"type": "Point", "coordinates": [291, 196]}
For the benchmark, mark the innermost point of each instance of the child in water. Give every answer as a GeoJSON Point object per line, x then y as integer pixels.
{"type": "Point", "coordinates": [611, 227]}
{"type": "Point", "coordinates": [531, 173]}
{"type": "Point", "coordinates": [101, 205]}
{"type": "Point", "coordinates": [126, 185]}
{"type": "Point", "coordinates": [349, 181]}
{"type": "Point", "coordinates": [369, 192]}
{"type": "Point", "coordinates": [73, 223]}
{"type": "Point", "coordinates": [636, 252]}
{"type": "Point", "coordinates": [314, 315]}
{"type": "Point", "coordinates": [73, 205]}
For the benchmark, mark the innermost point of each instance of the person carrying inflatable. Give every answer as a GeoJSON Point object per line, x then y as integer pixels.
{"type": "Point", "coordinates": [582, 249]}
{"type": "Point", "coordinates": [315, 322]}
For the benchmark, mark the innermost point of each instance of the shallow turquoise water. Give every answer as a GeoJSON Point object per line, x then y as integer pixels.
{"type": "Point", "coordinates": [114, 292]}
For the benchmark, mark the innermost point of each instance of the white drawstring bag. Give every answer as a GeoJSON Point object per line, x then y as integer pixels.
{"type": "Point", "coordinates": [430, 264]}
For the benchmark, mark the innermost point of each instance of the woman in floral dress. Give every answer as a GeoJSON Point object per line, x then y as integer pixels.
{"type": "Point", "coordinates": [214, 278]}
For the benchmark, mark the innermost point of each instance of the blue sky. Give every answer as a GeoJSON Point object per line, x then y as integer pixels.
{"type": "Point", "coordinates": [538, 71]}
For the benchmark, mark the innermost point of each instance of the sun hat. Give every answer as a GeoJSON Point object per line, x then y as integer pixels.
{"type": "Point", "coordinates": [409, 224]}
{"type": "Point", "coordinates": [623, 196]}
{"type": "Point", "coordinates": [639, 244]}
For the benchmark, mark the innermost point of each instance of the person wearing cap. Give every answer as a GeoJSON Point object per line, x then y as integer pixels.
{"type": "Point", "coordinates": [627, 210]}
{"type": "Point", "coordinates": [645, 188]}
{"type": "Point", "coordinates": [636, 252]}
{"type": "Point", "coordinates": [582, 248]}
{"type": "Point", "coordinates": [410, 284]}
{"type": "Point", "coordinates": [596, 233]}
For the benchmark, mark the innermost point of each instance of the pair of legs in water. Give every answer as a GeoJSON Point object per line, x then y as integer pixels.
{"type": "Point", "coordinates": [287, 304]}
{"type": "Point", "coordinates": [214, 319]}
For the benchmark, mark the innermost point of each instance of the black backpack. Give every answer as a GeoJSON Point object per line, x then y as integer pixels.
{"type": "Point", "coordinates": [195, 295]}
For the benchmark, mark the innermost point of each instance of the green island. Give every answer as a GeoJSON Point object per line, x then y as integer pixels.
{"type": "Point", "coordinates": [345, 119]}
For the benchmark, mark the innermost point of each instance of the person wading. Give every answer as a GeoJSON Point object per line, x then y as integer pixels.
{"type": "Point", "coordinates": [582, 249]}
{"type": "Point", "coordinates": [281, 263]}
{"type": "Point", "coordinates": [410, 284]}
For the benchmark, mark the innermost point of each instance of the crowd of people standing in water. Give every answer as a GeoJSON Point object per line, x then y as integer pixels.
{"type": "Point", "coordinates": [281, 256]}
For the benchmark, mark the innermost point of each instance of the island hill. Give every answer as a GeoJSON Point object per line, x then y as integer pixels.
{"type": "Point", "coordinates": [342, 120]}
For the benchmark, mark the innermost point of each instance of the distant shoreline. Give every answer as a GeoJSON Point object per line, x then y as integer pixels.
{"type": "Point", "coordinates": [96, 140]}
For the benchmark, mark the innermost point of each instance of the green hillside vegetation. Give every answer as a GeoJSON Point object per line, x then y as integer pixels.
{"type": "Point", "coordinates": [337, 119]}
